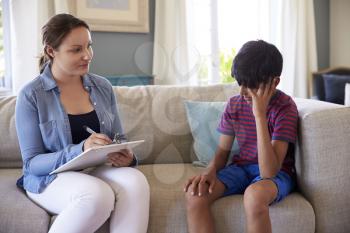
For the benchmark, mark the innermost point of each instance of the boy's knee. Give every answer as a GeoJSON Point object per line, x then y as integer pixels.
{"type": "Point", "coordinates": [254, 202]}
{"type": "Point", "coordinates": [194, 202]}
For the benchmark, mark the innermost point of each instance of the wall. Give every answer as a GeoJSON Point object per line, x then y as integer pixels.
{"type": "Point", "coordinates": [124, 53]}
{"type": "Point", "coordinates": [129, 53]}
{"type": "Point", "coordinates": [322, 32]}
{"type": "Point", "coordinates": [340, 33]}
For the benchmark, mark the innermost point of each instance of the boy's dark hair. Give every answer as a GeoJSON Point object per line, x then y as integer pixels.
{"type": "Point", "coordinates": [256, 62]}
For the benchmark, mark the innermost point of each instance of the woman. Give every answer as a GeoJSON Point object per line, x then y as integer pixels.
{"type": "Point", "coordinates": [50, 114]}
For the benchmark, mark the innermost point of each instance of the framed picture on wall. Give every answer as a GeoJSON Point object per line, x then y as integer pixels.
{"type": "Point", "coordinates": [114, 15]}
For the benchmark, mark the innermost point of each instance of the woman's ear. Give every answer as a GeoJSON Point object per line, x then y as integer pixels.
{"type": "Point", "coordinates": [50, 51]}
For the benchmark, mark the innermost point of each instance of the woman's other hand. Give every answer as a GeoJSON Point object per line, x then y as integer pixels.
{"type": "Point", "coordinates": [122, 158]}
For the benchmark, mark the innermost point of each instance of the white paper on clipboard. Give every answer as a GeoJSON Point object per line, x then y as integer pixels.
{"type": "Point", "coordinates": [94, 156]}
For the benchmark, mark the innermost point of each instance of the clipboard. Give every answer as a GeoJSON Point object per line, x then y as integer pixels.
{"type": "Point", "coordinates": [94, 156]}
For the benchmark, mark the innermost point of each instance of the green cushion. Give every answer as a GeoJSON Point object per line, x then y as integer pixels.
{"type": "Point", "coordinates": [204, 118]}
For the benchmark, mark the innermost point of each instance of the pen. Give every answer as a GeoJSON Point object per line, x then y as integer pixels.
{"type": "Point", "coordinates": [117, 137]}
{"type": "Point", "coordinates": [88, 129]}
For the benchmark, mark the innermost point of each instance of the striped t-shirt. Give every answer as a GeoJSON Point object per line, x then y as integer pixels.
{"type": "Point", "coordinates": [238, 120]}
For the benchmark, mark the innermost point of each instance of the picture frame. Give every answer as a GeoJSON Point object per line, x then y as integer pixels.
{"type": "Point", "coordinates": [114, 15]}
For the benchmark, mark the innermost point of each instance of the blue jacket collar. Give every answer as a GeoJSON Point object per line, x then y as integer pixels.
{"type": "Point", "coordinates": [49, 82]}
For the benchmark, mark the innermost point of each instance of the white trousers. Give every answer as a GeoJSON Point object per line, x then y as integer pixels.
{"type": "Point", "coordinates": [83, 202]}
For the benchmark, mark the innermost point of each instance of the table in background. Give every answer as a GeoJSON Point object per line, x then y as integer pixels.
{"type": "Point", "coordinates": [131, 80]}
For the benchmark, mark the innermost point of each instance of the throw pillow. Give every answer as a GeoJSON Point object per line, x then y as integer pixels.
{"type": "Point", "coordinates": [204, 118]}
{"type": "Point", "coordinates": [334, 85]}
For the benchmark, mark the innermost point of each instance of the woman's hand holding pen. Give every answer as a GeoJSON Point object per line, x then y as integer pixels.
{"type": "Point", "coordinates": [96, 139]}
{"type": "Point", "coordinates": [121, 158]}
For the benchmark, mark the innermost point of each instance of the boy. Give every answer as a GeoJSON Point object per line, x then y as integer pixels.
{"type": "Point", "coordinates": [264, 120]}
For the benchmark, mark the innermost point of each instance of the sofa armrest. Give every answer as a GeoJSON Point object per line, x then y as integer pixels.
{"type": "Point", "coordinates": [323, 162]}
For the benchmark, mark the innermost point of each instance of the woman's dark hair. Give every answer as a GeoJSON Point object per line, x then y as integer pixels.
{"type": "Point", "coordinates": [256, 62]}
{"type": "Point", "coordinates": [55, 30]}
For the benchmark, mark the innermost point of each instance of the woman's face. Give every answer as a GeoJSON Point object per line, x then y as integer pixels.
{"type": "Point", "coordinates": [74, 55]}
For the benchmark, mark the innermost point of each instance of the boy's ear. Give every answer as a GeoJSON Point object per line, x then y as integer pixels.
{"type": "Point", "coordinates": [276, 81]}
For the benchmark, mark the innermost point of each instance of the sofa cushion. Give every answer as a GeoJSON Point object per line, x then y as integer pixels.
{"type": "Point", "coordinates": [335, 87]}
{"type": "Point", "coordinates": [10, 155]}
{"type": "Point", "coordinates": [18, 212]}
{"type": "Point", "coordinates": [157, 114]}
{"type": "Point", "coordinates": [293, 214]}
{"type": "Point", "coordinates": [204, 118]}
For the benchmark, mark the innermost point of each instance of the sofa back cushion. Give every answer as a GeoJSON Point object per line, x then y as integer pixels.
{"type": "Point", "coordinates": [10, 155]}
{"type": "Point", "coordinates": [157, 114]}
{"type": "Point", "coordinates": [154, 113]}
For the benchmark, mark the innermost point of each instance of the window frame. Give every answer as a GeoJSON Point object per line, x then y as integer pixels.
{"type": "Point", "coordinates": [214, 68]}
{"type": "Point", "coordinates": [7, 85]}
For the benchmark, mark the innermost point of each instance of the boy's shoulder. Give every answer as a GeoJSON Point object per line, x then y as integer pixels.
{"type": "Point", "coordinates": [234, 102]}
{"type": "Point", "coordinates": [282, 99]}
{"type": "Point", "coordinates": [236, 99]}
{"type": "Point", "coordinates": [283, 102]}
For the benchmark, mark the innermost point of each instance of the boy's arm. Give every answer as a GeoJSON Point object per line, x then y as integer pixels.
{"type": "Point", "coordinates": [270, 153]}
{"type": "Point", "coordinates": [222, 152]}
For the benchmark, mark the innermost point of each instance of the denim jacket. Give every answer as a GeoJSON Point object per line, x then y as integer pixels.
{"type": "Point", "coordinates": [43, 127]}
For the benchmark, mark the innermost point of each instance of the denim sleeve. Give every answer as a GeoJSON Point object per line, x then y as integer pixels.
{"type": "Point", "coordinates": [36, 159]}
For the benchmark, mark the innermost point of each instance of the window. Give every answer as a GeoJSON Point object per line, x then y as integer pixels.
{"type": "Point", "coordinates": [2, 55]}
{"type": "Point", "coordinates": [5, 72]}
{"type": "Point", "coordinates": [220, 29]}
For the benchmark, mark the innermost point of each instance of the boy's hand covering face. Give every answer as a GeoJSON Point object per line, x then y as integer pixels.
{"type": "Point", "coordinates": [261, 97]}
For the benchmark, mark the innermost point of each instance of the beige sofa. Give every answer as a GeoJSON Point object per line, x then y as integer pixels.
{"type": "Point", "coordinates": [157, 114]}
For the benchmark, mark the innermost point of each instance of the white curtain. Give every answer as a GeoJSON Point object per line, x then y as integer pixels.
{"type": "Point", "coordinates": [26, 20]}
{"type": "Point", "coordinates": [295, 36]}
{"type": "Point", "coordinates": [24, 42]}
{"type": "Point", "coordinates": [289, 24]}
{"type": "Point", "coordinates": [175, 58]}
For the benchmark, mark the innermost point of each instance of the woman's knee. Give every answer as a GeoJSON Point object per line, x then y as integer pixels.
{"type": "Point", "coordinates": [136, 180]}
{"type": "Point", "coordinates": [98, 196]}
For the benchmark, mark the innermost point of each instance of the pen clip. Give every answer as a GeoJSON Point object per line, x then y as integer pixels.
{"type": "Point", "coordinates": [118, 138]}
